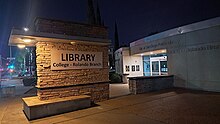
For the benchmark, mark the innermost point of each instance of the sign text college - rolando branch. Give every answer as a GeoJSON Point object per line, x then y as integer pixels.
{"type": "Point", "coordinates": [66, 59]}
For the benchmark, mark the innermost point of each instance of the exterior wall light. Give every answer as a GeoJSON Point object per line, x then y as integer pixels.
{"type": "Point", "coordinates": [151, 53]}
{"type": "Point", "coordinates": [179, 30]}
{"type": "Point", "coordinates": [20, 46]}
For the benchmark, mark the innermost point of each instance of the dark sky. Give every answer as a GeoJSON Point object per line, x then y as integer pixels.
{"type": "Point", "coordinates": [135, 18]}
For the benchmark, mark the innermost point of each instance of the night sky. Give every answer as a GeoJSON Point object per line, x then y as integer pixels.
{"type": "Point", "coordinates": [135, 18]}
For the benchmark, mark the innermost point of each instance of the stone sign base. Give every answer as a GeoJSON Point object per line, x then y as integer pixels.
{"type": "Point", "coordinates": [98, 91]}
{"type": "Point", "coordinates": [35, 108]}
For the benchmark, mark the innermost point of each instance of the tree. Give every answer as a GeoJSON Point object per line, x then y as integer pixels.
{"type": "Point", "coordinates": [91, 13]}
{"type": "Point", "coordinates": [20, 59]}
{"type": "Point", "coordinates": [116, 38]}
{"type": "Point", "coordinates": [98, 16]}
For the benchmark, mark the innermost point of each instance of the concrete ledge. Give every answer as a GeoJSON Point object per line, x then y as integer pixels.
{"type": "Point", "coordinates": [35, 108]}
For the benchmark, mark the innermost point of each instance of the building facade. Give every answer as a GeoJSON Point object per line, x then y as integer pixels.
{"type": "Point", "coordinates": [191, 53]}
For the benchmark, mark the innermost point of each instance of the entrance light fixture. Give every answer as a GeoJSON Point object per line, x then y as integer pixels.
{"type": "Point", "coordinates": [27, 40]}
{"type": "Point", "coordinates": [21, 46]}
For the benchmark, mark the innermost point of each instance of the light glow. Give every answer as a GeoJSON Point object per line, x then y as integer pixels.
{"type": "Point", "coordinates": [26, 29]}
{"type": "Point", "coordinates": [73, 42]}
{"type": "Point", "coordinates": [21, 46]}
{"type": "Point", "coordinates": [27, 40]}
{"type": "Point", "coordinates": [11, 70]}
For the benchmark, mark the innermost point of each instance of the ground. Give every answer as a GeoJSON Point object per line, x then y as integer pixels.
{"type": "Point", "coordinates": [173, 106]}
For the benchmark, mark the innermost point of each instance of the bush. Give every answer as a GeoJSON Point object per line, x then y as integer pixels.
{"type": "Point", "coordinates": [114, 78]}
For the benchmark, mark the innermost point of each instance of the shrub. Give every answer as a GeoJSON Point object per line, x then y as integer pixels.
{"type": "Point", "coordinates": [29, 81]}
{"type": "Point", "coordinates": [114, 77]}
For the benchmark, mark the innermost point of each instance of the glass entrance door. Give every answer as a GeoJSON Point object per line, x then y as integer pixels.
{"type": "Point", "coordinates": [158, 65]}
{"type": "Point", "coordinates": [153, 66]}
{"type": "Point", "coordinates": [155, 70]}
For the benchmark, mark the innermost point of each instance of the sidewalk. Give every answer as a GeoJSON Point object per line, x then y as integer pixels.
{"type": "Point", "coordinates": [117, 90]}
{"type": "Point", "coordinates": [17, 87]}
{"type": "Point", "coordinates": [175, 106]}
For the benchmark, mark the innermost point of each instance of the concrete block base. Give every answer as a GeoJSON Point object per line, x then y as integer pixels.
{"type": "Point", "coordinates": [35, 108]}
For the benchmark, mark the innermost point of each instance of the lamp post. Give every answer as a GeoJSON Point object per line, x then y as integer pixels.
{"type": "Point", "coordinates": [10, 60]}
{"type": "Point", "coordinates": [24, 69]}
{"type": "Point", "coordinates": [0, 70]}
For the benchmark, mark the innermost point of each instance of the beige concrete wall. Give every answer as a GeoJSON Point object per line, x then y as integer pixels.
{"type": "Point", "coordinates": [118, 61]}
{"type": "Point", "coordinates": [133, 61]}
{"type": "Point", "coordinates": [195, 62]}
{"type": "Point", "coordinates": [123, 58]}
{"type": "Point", "coordinates": [64, 83]}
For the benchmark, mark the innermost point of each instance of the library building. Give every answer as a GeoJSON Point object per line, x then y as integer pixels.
{"type": "Point", "coordinates": [189, 54]}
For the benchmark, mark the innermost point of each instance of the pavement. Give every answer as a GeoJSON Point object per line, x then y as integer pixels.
{"type": "Point", "coordinates": [117, 90]}
{"type": "Point", "coordinates": [174, 106]}
{"type": "Point", "coordinates": [13, 87]}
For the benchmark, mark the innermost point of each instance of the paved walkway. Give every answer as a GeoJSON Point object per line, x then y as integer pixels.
{"type": "Point", "coordinates": [13, 87]}
{"type": "Point", "coordinates": [169, 106]}
{"type": "Point", "coordinates": [116, 90]}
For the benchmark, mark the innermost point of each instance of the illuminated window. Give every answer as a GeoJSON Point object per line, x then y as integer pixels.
{"type": "Point", "coordinates": [137, 68]}
{"type": "Point", "coordinates": [133, 68]}
{"type": "Point", "coordinates": [127, 68]}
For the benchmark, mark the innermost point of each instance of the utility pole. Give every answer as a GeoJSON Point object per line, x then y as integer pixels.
{"type": "Point", "coordinates": [98, 16]}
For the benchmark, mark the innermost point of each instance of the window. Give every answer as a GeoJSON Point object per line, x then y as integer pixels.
{"type": "Point", "coordinates": [137, 68]}
{"type": "Point", "coordinates": [127, 68]}
{"type": "Point", "coordinates": [133, 68]}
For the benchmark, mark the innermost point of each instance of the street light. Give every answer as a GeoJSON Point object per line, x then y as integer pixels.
{"type": "Point", "coordinates": [0, 70]}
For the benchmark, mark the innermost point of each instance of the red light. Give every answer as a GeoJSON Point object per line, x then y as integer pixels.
{"type": "Point", "coordinates": [11, 70]}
